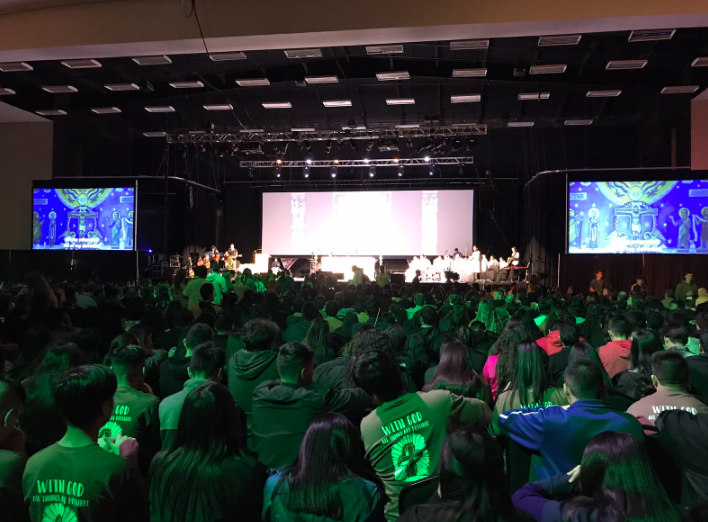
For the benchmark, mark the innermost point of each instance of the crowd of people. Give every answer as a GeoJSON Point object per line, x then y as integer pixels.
{"type": "Point", "coordinates": [218, 399]}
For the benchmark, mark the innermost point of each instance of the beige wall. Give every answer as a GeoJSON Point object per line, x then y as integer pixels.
{"type": "Point", "coordinates": [25, 154]}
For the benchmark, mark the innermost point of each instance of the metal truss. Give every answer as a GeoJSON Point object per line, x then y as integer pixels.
{"type": "Point", "coordinates": [449, 131]}
{"type": "Point", "coordinates": [403, 162]}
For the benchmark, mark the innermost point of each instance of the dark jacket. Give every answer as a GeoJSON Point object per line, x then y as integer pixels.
{"type": "Point", "coordinates": [296, 332]}
{"type": "Point", "coordinates": [173, 375]}
{"type": "Point", "coordinates": [282, 412]}
{"type": "Point", "coordinates": [698, 366]}
{"type": "Point", "coordinates": [433, 340]}
{"type": "Point", "coordinates": [558, 362]}
{"type": "Point", "coordinates": [245, 371]}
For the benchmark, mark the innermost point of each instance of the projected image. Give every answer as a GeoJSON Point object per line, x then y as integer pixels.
{"type": "Point", "coordinates": [83, 219]}
{"type": "Point", "coordinates": [659, 217]}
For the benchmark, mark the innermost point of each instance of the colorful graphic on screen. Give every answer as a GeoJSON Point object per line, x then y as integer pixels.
{"type": "Point", "coordinates": [638, 217]}
{"type": "Point", "coordinates": [83, 218]}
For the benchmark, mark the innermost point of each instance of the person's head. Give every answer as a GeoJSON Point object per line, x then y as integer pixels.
{"type": "Point", "coordinates": [332, 308]}
{"type": "Point", "coordinates": [644, 344]}
{"type": "Point", "coordinates": [670, 370]}
{"type": "Point", "coordinates": [197, 334]}
{"type": "Point", "coordinates": [259, 335]}
{"type": "Point", "coordinates": [569, 334]}
{"type": "Point", "coordinates": [619, 328]}
{"type": "Point", "coordinates": [143, 334]}
{"type": "Point", "coordinates": [296, 363]}
{"type": "Point", "coordinates": [640, 280]}
{"type": "Point", "coordinates": [223, 323]}
{"type": "Point", "coordinates": [310, 311]}
{"type": "Point", "coordinates": [598, 275]}
{"type": "Point", "coordinates": [12, 398]}
{"type": "Point", "coordinates": [498, 294]}
{"type": "Point", "coordinates": [84, 397]}
{"type": "Point", "coordinates": [688, 278]}
{"type": "Point", "coordinates": [615, 476]}
{"type": "Point", "coordinates": [59, 358]}
{"type": "Point", "coordinates": [200, 272]}
{"type": "Point", "coordinates": [675, 336]}
{"type": "Point", "coordinates": [128, 363]}
{"type": "Point", "coordinates": [378, 375]}
{"type": "Point", "coordinates": [457, 250]}
{"type": "Point", "coordinates": [471, 463]}
{"type": "Point", "coordinates": [477, 326]}
{"type": "Point", "coordinates": [454, 371]}
{"type": "Point", "coordinates": [513, 249]}
{"type": "Point", "coordinates": [207, 292]}
{"type": "Point", "coordinates": [428, 316]}
{"type": "Point", "coordinates": [583, 380]}
{"type": "Point", "coordinates": [419, 299]}
{"type": "Point", "coordinates": [207, 362]}
{"type": "Point", "coordinates": [331, 451]}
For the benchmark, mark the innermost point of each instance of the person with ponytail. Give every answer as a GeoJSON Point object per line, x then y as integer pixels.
{"type": "Point", "coordinates": [613, 483]}
{"type": "Point", "coordinates": [472, 486]}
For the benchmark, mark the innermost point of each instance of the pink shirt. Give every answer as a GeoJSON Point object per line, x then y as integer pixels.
{"type": "Point", "coordinates": [615, 357]}
{"type": "Point", "coordinates": [489, 374]}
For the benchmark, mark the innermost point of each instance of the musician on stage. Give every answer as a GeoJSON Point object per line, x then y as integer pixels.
{"type": "Point", "coordinates": [514, 257]}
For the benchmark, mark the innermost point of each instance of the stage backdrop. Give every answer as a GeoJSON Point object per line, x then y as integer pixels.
{"type": "Point", "coordinates": [388, 223]}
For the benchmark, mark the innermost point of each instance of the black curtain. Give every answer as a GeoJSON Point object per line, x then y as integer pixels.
{"type": "Point", "coordinates": [243, 216]}
{"type": "Point", "coordinates": [497, 217]}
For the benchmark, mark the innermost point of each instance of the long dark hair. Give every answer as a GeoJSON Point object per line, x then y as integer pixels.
{"type": "Point", "coordinates": [331, 452]}
{"type": "Point", "coordinates": [530, 373]}
{"type": "Point", "coordinates": [189, 474]}
{"type": "Point", "coordinates": [472, 469]}
{"type": "Point", "coordinates": [487, 314]}
{"type": "Point", "coordinates": [584, 350]}
{"type": "Point", "coordinates": [618, 484]}
{"type": "Point", "coordinates": [644, 344]}
{"type": "Point", "coordinates": [506, 346]}
{"type": "Point", "coordinates": [317, 338]}
{"type": "Point", "coordinates": [455, 373]}
{"type": "Point", "coordinates": [350, 319]}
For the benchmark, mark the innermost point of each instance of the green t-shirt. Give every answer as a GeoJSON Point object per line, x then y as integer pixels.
{"type": "Point", "coordinates": [12, 504]}
{"type": "Point", "coordinates": [191, 292]}
{"type": "Point", "coordinates": [85, 484]}
{"type": "Point", "coordinates": [134, 413]}
{"type": "Point", "coordinates": [403, 437]}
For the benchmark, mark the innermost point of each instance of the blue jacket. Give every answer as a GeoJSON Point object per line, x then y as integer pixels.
{"type": "Point", "coordinates": [560, 435]}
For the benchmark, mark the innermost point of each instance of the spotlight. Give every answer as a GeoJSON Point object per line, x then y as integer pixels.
{"type": "Point", "coordinates": [456, 144]}
{"type": "Point", "coordinates": [306, 172]}
{"type": "Point", "coordinates": [308, 161]}
{"type": "Point", "coordinates": [336, 161]}
{"type": "Point", "coordinates": [432, 170]}
{"type": "Point", "coordinates": [279, 161]}
{"type": "Point", "coordinates": [300, 145]}
{"type": "Point", "coordinates": [202, 148]}
{"type": "Point", "coordinates": [308, 146]}
{"type": "Point", "coordinates": [339, 145]}
{"type": "Point", "coordinates": [372, 171]}
{"type": "Point", "coordinates": [395, 160]}
{"type": "Point", "coordinates": [409, 143]}
{"type": "Point", "coordinates": [367, 160]}
{"type": "Point", "coordinates": [471, 143]}
{"type": "Point", "coordinates": [277, 172]}
{"type": "Point", "coordinates": [333, 172]}
{"type": "Point", "coordinates": [427, 158]}
{"type": "Point", "coordinates": [401, 168]}
{"type": "Point", "coordinates": [462, 169]}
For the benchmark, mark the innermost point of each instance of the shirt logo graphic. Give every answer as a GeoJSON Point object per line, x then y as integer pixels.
{"type": "Point", "coordinates": [58, 513]}
{"type": "Point", "coordinates": [411, 460]}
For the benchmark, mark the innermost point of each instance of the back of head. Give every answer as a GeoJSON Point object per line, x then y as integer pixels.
{"type": "Point", "coordinates": [198, 334]}
{"type": "Point", "coordinates": [619, 327]}
{"type": "Point", "coordinates": [471, 462]}
{"type": "Point", "coordinates": [128, 360]}
{"type": "Point", "coordinates": [655, 320]}
{"type": "Point", "coordinates": [569, 334]}
{"type": "Point", "coordinates": [332, 308]}
{"type": "Point", "coordinates": [292, 359]}
{"type": "Point", "coordinates": [644, 344]}
{"type": "Point", "coordinates": [676, 333]}
{"type": "Point", "coordinates": [477, 326]}
{"type": "Point", "coordinates": [378, 375]}
{"type": "Point", "coordinates": [59, 358]}
{"type": "Point", "coordinates": [223, 322]}
{"type": "Point", "coordinates": [81, 393]}
{"type": "Point", "coordinates": [259, 335]}
{"type": "Point", "coordinates": [12, 397]}
{"type": "Point", "coordinates": [200, 272]}
{"type": "Point", "coordinates": [207, 360]}
{"type": "Point", "coordinates": [670, 368]}
{"type": "Point", "coordinates": [530, 373]}
{"type": "Point", "coordinates": [206, 291]}
{"type": "Point", "coordinates": [419, 299]}
{"type": "Point", "coordinates": [142, 333]}
{"type": "Point", "coordinates": [310, 311]}
{"type": "Point", "coordinates": [429, 316]}
{"type": "Point", "coordinates": [584, 379]}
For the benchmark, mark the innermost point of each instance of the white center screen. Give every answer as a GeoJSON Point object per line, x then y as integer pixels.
{"type": "Point", "coordinates": [387, 223]}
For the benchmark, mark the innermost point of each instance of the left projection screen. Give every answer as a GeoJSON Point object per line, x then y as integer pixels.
{"type": "Point", "coordinates": [83, 218]}
{"type": "Point", "coordinates": [386, 223]}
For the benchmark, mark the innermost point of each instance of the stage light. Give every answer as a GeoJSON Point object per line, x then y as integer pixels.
{"type": "Point", "coordinates": [333, 172]}
{"type": "Point", "coordinates": [339, 145]}
{"type": "Point", "coordinates": [308, 161]}
{"type": "Point", "coordinates": [432, 170]}
{"type": "Point", "coordinates": [300, 145]}
{"type": "Point", "coordinates": [401, 168]}
{"type": "Point", "coordinates": [456, 144]}
{"type": "Point", "coordinates": [462, 169]}
{"type": "Point", "coordinates": [277, 172]}
{"type": "Point", "coordinates": [279, 161]}
{"type": "Point", "coordinates": [367, 160]}
{"type": "Point", "coordinates": [306, 172]}
{"type": "Point", "coordinates": [409, 143]}
{"type": "Point", "coordinates": [372, 171]}
{"type": "Point", "coordinates": [308, 146]}
{"type": "Point", "coordinates": [395, 160]}
{"type": "Point", "coordinates": [427, 158]}
{"type": "Point", "coordinates": [336, 162]}
{"type": "Point", "coordinates": [471, 143]}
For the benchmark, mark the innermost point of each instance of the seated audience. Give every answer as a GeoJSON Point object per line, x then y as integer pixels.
{"type": "Point", "coordinates": [330, 479]}
{"type": "Point", "coordinates": [636, 382]}
{"type": "Point", "coordinates": [75, 478]}
{"type": "Point", "coordinates": [670, 377]}
{"type": "Point", "coordinates": [568, 335]}
{"type": "Point", "coordinates": [558, 433]}
{"type": "Point", "coordinates": [206, 474]}
{"type": "Point", "coordinates": [206, 365]}
{"type": "Point", "coordinates": [404, 434]}
{"type": "Point", "coordinates": [615, 354]}
{"type": "Point", "coordinates": [676, 339]}
{"type": "Point", "coordinates": [455, 373]}
{"type": "Point", "coordinates": [283, 409]}
{"type": "Point", "coordinates": [431, 333]}
{"type": "Point", "coordinates": [698, 366]}
{"type": "Point", "coordinates": [610, 485]}
{"type": "Point", "coordinates": [330, 315]}
{"type": "Point", "coordinates": [12, 451]}
{"type": "Point", "coordinates": [206, 304]}
{"type": "Point", "coordinates": [297, 331]}
{"type": "Point", "coordinates": [173, 371]}
{"type": "Point", "coordinates": [192, 289]}
{"type": "Point", "coordinates": [317, 338]}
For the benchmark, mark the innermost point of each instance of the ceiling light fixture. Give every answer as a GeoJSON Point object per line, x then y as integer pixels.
{"type": "Point", "coordinates": [384, 49]}
{"type": "Point", "coordinates": [277, 105]}
{"type": "Point", "coordinates": [152, 60]}
{"type": "Point", "coordinates": [337, 103]}
{"type": "Point", "coordinates": [15, 67]}
{"type": "Point", "coordinates": [519, 124]}
{"type": "Point", "coordinates": [321, 80]}
{"type": "Point", "coordinates": [154, 134]}
{"type": "Point", "coordinates": [400, 101]}
{"type": "Point", "coordinates": [701, 61]}
{"type": "Point", "coordinates": [106, 110]}
{"type": "Point", "coordinates": [160, 108]}
{"type": "Point", "coordinates": [251, 131]}
{"type": "Point", "coordinates": [604, 93]}
{"type": "Point", "coordinates": [306, 171]}
{"type": "Point", "coordinates": [303, 129]}
{"type": "Point", "coordinates": [81, 64]}
{"type": "Point", "coordinates": [559, 40]}
{"type": "Point", "coordinates": [393, 76]}
{"type": "Point", "coordinates": [624, 65]}
{"type": "Point", "coordinates": [469, 45]}
{"type": "Point", "coordinates": [680, 89]}
{"type": "Point", "coordinates": [372, 171]}
{"type": "Point", "coordinates": [187, 84]}
{"type": "Point", "coordinates": [559, 68]}
{"type": "Point", "coordinates": [401, 170]}
{"type": "Point", "coordinates": [120, 87]}
{"type": "Point", "coordinates": [253, 82]}
{"type": "Point", "coordinates": [408, 126]}
{"type": "Point", "coordinates": [333, 172]}
{"type": "Point", "coordinates": [480, 72]}
{"type": "Point", "coordinates": [295, 54]}
{"type": "Point", "coordinates": [51, 112]}
{"type": "Point", "coordinates": [218, 107]}
{"type": "Point", "coordinates": [227, 57]}
{"type": "Point", "coordinates": [534, 96]}
{"type": "Point", "coordinates": [651, 35]}
{"type": "Point", "coordinates": [571, 123]}
{"type": "Point", "coordinates": [466, 98]}
{"type": "Point", "coordinates": [60, 89]}
{"type": "Point", "coordinates": [4, 91]}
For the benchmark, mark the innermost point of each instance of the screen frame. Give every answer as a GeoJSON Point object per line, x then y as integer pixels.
{"type": "Point", "coordinates": [89, 183]}
{"type": "Point", "coordinates": [364, 188]}
{"type": "Point", "coordinates": [625, 175]}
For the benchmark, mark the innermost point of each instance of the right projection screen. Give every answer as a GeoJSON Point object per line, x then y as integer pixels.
{"type": "Point", "coordinates": [638, 217]}
{"type": "Point", "coordinates": [372, 223]}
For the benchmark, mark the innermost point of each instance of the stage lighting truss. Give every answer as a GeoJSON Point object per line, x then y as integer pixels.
{"type": "Point", "coordinates": [368, 163]}
{"type": "Point", "coordinates": [461, 130]}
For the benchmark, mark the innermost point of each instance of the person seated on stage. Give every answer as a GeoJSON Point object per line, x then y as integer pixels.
{"type": "Point", "coordinates": [670, 377]}
{"type": "Point", "coordinates": [456, 254]}
{"type": "Point", "coordinates": [206, 305]}
{"type": "Point", "coordinates": [283, 409]}
{"type": "Point", "coordinates": [219, 282]}
{"type": "Point", "coordinates": [297, 331]}
{"type": "Point", "coordinates": [191, 291]}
